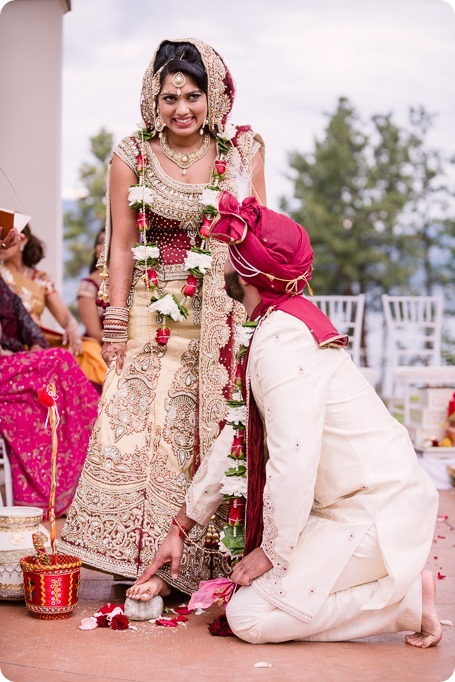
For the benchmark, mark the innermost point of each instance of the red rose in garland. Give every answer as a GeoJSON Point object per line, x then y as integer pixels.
{"type": "Point", "coordinates": [152, 278]}
{"type": "Point", "coordinates": [190, 288]}
{"type": "Point", "coordinates": [220, 167]}
{"type": "Point", "coordinates": [162, 336]}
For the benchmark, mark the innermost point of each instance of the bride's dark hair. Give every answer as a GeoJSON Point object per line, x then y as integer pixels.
{"type": "Point", "coordinates": [182, 57]}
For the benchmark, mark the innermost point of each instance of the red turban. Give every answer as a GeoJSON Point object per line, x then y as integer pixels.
{"type": "Point", "coordinates": [267, 248]}
{"type": "Point", "coordinates": [274, 254]}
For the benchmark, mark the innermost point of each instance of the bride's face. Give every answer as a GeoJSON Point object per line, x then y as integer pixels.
{"type": "Point", "coordinates": [184, 109]}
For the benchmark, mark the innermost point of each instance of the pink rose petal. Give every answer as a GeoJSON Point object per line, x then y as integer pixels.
{"type": "Point", "coordinates": [88, 624]}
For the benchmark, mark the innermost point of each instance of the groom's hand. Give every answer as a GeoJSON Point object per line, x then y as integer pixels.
{"type": "Point", "coordinates": [170, 551]}
{"type": "Point", "coordinates": [252, 566]}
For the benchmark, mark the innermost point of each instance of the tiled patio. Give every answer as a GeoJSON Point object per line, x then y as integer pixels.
{"type": "Point", "coordinates": [33, 650]}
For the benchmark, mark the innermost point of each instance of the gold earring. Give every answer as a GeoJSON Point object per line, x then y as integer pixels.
{"type": "Point", "coordinates": [202, 128]}
{"type": "Point", "coordinates": [159, 124]}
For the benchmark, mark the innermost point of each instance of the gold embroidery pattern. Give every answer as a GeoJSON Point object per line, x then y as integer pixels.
{"type": "Point", "coordinates": [132, 483]}
{"type": "Point", "coordinates": [129, 407]}
{"type": "Point", "coordinates": [215, 333]}
{"type": "Point", "coordinates": [171, 199]}
{"type": "Point", "coordinates": [180, 424]}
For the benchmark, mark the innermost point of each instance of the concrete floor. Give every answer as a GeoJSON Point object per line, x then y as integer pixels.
{"type": "Point", "coordinates": [33, 650]}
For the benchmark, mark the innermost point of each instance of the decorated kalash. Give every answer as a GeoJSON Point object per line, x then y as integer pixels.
{"type": "Point", "coordinates": [51, 581]}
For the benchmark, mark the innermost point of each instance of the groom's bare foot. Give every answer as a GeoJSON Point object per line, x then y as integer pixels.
{"type": "Point", "coordinates": [153, 587]}
{"type": "Point", "coordinates": [431, 631]}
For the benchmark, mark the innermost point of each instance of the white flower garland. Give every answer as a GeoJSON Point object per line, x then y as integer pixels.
{"type": "Point", "coordinates": [234, 483]}
{"type": "Point", "coordinates": [198, 260]}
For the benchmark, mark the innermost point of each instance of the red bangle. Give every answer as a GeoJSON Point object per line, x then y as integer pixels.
{"type": "Point", "coordinates": [182, 530]}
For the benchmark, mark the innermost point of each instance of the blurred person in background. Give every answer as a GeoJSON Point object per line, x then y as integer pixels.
{"type": "Point", "coordinates": [91, 310]}
{"type": "Point", "coordinates": [27, 365]}
{"type": "Point", "coordinates": [37, 291]}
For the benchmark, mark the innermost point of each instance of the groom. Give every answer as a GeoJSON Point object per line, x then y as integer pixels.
{"type": "Point", "coordinates": [347, 513]}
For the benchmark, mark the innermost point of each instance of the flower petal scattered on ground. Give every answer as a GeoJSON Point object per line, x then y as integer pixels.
{"type": "Point", "coordinates": [167, 622]}
{"type": "Point", "coordinates": [88, 623]}
{"type": "Point", "coordinates": [262, 664]}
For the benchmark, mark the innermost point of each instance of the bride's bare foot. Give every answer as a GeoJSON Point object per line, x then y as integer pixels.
{"type": "Point", "coordinates": [431, 631]}
{"type": "Point", "coordinates": [148, 590]}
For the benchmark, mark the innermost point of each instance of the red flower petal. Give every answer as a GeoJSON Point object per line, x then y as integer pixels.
{"type": "Point", "coordinates": [167, 623]}
{"type": "Point", "coordinates": [440, 576]}
{"type": "Point", "coordinates": [102, 621]}
{"type": "Point", "coordinates": [109, 607]}
{"type": "Point", "coordinates": [220, 627]}
{"type": "Point", "coordinates": [181, 619]}
{"type": "Point", "coordinates": [183, 610]}
{"type": "Point", "coordinates": [120, 622]}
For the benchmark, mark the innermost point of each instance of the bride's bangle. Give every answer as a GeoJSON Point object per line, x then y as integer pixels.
{"type": "Point", "coordinates": [115, 325]}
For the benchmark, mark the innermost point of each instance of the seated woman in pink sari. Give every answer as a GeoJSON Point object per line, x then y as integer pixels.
{"type": "Point", "coordinates": [26, 365]}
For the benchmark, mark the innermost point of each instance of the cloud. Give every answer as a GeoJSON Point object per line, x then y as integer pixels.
{"type": "Point", "coordinates": [290, 60]}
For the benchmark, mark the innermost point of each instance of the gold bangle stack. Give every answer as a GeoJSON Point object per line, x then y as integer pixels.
{"type": "Point", "coordinates": [115, 325]}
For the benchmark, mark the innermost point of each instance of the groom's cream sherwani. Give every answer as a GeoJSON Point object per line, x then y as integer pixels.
{"type": "Point", "coordinates": [341, 470]}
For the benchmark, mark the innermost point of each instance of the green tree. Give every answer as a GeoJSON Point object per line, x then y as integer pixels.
{"type": "Point", "coordinates": [360, 194]}
{"type": "Point", "coordinates": [430, 212]}
{"type": "Point", "coordinates": [82, 225]}
{"type": "Point", "coordinates": [349, 193]}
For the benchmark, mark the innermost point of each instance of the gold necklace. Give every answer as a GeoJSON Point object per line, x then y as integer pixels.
{"type": "Point", "coordinates": [184, 159]}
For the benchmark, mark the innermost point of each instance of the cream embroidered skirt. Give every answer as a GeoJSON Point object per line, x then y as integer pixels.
{"type": "Point", "coordinates": [141, 455]}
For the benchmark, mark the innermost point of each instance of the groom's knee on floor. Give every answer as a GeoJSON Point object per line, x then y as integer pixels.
{"type": "Point", "coordinates": [243, 620]}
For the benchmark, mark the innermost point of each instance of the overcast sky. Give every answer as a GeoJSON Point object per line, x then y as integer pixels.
{"type": "Point", "coordinates": [290, 59]}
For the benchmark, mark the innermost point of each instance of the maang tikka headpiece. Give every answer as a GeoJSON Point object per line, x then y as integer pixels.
{"type": "Point", "coordinates": [178, 81]}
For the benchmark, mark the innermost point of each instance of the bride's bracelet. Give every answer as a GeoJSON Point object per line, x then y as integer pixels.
{"type": "Point", "coordinates": [116, 313]}
{"type": "Point", "coordinates": [115, 325]}
{"type": "Point", "coordinates": [111, 337]}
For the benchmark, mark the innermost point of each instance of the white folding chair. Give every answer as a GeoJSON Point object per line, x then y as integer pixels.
{"type": "Point", "coordinates": [8, 479]}
{"type": "Point", "coordinates": [414, 330]}
{"type": "Point", "coordinates": [346, 314]}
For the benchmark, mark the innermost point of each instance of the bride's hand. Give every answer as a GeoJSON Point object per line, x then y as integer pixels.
{"type": "Point", "coordinates": [114, 352]}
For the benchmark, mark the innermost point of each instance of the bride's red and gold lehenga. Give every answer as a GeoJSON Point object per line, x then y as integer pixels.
{"type": "Point", "coordinates": [160, 416]}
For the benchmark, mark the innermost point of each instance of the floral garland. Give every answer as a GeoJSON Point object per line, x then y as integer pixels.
{"type": "Point", "coordinates": [234, 482]}
{"type": "Point", "coordinates": [198, 260]}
